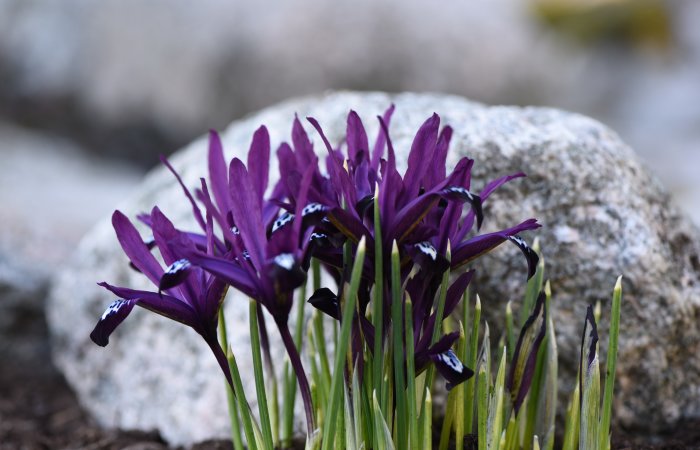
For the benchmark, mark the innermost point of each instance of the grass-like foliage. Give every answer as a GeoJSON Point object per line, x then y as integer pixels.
{"type": "Point", "coordinates": [377, 266]}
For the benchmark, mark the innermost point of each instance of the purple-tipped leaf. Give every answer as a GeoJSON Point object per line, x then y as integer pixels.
{"type": "Point", "coordinates": [589, 342]}
{"type": "Point", "coordinates": [522, 369]}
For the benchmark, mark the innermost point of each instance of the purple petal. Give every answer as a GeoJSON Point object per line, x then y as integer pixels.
{"type": "Point", "coordinates": [463, 194]}
{"type": "Point", "coordinates": [247, 212]}
{"type": "Point", "coordinates": [356, 136]}
{"type": "Point", "coordinates": [437, 169]}
{"type": "Point", "coordinates": [451, 368]}
{"type": "Point", "coordinates": [427, 256]}
{"type": "Point", "coordinates": [227, 270]}
{"type": "Point", "coordinates": [484, 194]}
{"type": "Point", "coordinates": [165, 305]}
{"type": "Point", "coordinates": [259, 161]}
{"type": "Point", "coordinates": [326, 301]}
{"type": "Point", "coordinates": [410, 216]}
{"type": "Point", "coordinates": [339, 176]}
{"type": "Point", "coordinates": [456, 291]}
{"type": "Point", "coordinates": [135, 249]}
{"type": "Point", "coordinates": [529, 253]}
{"type": "Point", "coordinates": [304, 149]}
{"type": "Point", "coordinates": [195, 209]}
{"type": "Point", "coordinates": [175, 274]}
{"type": "Point", "coordinates": [348, 224]}
{"type": "Point", "coordinates": [422, 151]}
{"type": "Point", "coordinates": [473, 248]}
{"type": "Point", "coordinates": [381, 139]}
{"type": "Point", "coordinates": [115, 314]}
{"type": "Point", "coordinates": [217, 173]}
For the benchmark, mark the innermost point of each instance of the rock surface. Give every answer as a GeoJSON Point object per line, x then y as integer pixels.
{"type": "Point", "coordinates": [603, 215]}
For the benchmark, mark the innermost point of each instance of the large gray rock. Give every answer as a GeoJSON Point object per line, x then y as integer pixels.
{"type": "Point", "coordinates": [603, 215]}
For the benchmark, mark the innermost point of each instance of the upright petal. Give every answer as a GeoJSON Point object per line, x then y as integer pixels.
{"type": "Point", "coordinates": [259, 161]}
{"type": "Point", "coordinates": [195, 209]}
{"type": "Point", "coordinates": [303, 148]}
{"type": "Point", "coordinates": [422, 151]}
{"type": "Point", "coordinates": [217, 173]}
{"type": "Point", "coordinates": [134, 247]}
{"type": "Point", "coordinates": [247, 213]}
{"type": "Point", "coordinates": [381, 139]}
{"type": "Point", "coordinates": [356, 136]}
{"type": "Point", "coordinates": [339, 176]}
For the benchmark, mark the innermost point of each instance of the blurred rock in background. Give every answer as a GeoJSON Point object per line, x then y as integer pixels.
{"type": "Point", "coordinates": [131, 79]}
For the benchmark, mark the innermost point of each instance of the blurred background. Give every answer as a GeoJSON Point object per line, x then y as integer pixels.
{"type": "Point", "coordinates": [91, 92]}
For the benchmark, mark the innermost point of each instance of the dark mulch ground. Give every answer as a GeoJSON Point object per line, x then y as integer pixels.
{"type": "Point", "coordinates": [39, 411]}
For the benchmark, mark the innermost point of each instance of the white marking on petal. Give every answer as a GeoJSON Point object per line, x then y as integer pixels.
{"type": "Point", "coordinates": [180, 264]}
{"type": "Point", "coordinates": [235, 230]}
{"type": "Point", "coordinates": [315, 236]}
{"type": "Point", "coordinates": [428, 249]}
{"type": "Point", "coordinates": [113, 308]}
{"type": "Point", "coordinates": [462, 191]}
{"type": "Point", "coordinates": [282, 220]}
{"type": "Point", "coordinates": [285, 260]}
{"type": "Point", "coordinates": [311, 208]}
{"type": "Point", "coordinates": [451, 360]}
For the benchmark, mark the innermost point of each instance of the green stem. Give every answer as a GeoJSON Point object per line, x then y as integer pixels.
{"type": "Point", "coordinates": [397, 320]}
{"type": "Point", "coordinates": [342, 348]}
{"type": "Point", "coordinates": [259, 376]}
{"type": "Point", "coordinates": [611, 365]}
{"type": "Point", "coordinates": [230, 397]}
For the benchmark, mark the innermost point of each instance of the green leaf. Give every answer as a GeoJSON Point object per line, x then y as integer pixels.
{"type": "Point", "coordinates": [381, 428]}
{"type": "Point", "coordinates": [590, 385]}
{"type": "Point", "coordinates": [411, 376]}
{"type": "Point", "coordinates": [342, 347]}
{"type": "Point", "coordinates": [236, 438]}
{"type": "Point", "coordinates": [470, 384]}
{"type": "Point", "coordinates": [397, 311]}
{"type": "Point", "coordinates": [260, 387]}
{"type": "Point", "coordinates": [495, 417]}
{"type": "Point", "coordinates": [611, 365]}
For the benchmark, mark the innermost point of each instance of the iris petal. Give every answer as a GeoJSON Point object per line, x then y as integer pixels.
{"type": "Point", "coordinates": [114, 315]}
{"type": "Point", "coordinates": [326, 301]}
{"type": "Point", "coordinates": [451, 368]}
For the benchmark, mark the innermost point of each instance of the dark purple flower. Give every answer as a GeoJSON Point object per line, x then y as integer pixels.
{"type": "Point", "coordinates": [185, 293]}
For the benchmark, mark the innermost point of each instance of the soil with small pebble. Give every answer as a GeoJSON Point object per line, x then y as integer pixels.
{"type": "Point", "coordinates": [39, 411]}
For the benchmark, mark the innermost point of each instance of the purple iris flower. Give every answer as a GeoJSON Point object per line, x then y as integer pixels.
{"type": "Point", "coordinates": [185, 293]}
{"type": "Point", "coordinates": [264, 254]}
{"type": "Point", "coordinates": [422, 211]}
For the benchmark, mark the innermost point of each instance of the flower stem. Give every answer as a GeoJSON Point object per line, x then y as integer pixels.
{"type": "Point", "coordinates": [230, 397]}
{"type": "Point", "coordinates": [259, 376]}
{"type": "Point", "coordinates": [304, 388]}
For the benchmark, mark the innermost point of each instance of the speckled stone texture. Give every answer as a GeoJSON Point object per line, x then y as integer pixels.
{"type": "Point", "coordinates": [603, 215]}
